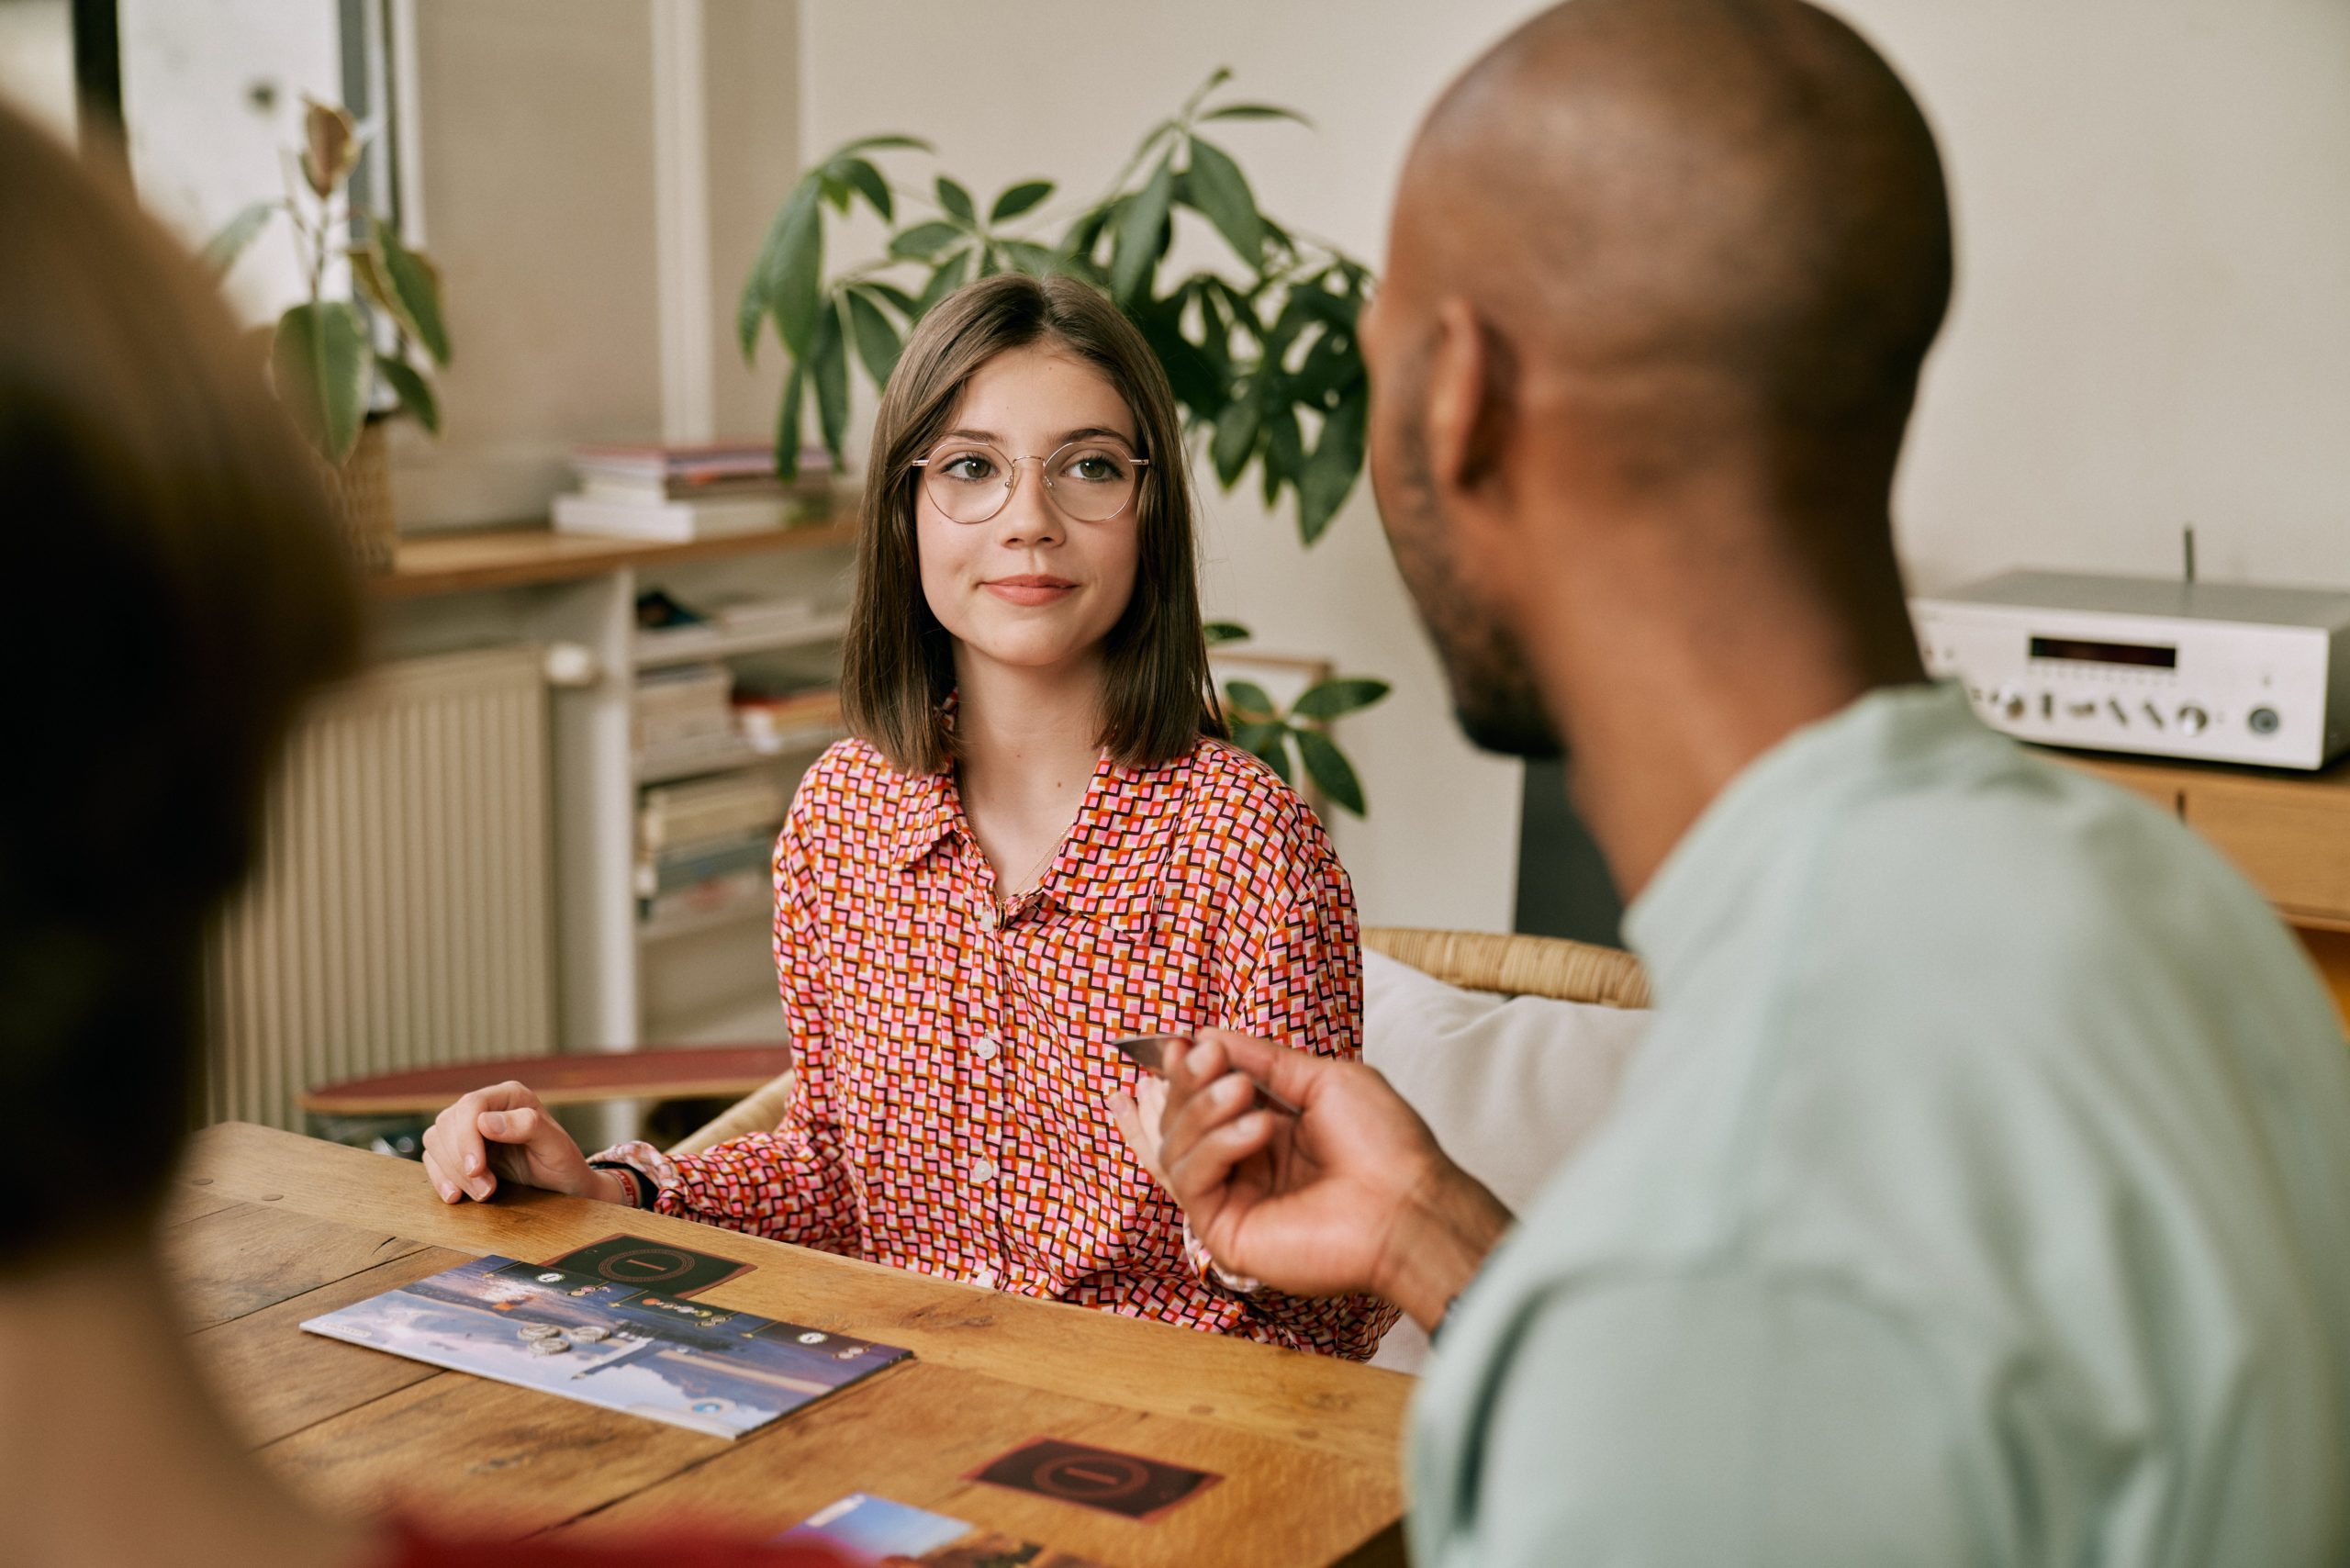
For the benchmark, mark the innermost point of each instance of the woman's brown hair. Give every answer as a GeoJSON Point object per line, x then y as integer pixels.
{"type": "Point", "coordinates": [898, 664]}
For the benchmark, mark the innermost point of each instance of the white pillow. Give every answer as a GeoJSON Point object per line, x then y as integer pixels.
{"type": "Point", "coordinates": [1510, 1086]}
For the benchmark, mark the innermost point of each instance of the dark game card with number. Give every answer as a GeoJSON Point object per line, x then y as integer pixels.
{"type": "Point", "coordinates": [651, 1265]}
{"type": "Point", "coordinates": [1098, 1478]}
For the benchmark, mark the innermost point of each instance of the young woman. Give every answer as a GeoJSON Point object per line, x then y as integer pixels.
{"type": "Point", "coordinates": [1039, 842]}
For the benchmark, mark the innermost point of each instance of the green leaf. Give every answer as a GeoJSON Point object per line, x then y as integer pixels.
{"type": "Point", "coordinates": [1220, 190]}
{"type": "Point", "coordinates": [828, 368]}
{"type": "Point", "coordinates": [923, 240]}
{"type": "Point", "coordinates": [790, 265]}
{"type": "Point", "coordinates": [867, 180]}
{"type": "Point", "coordinates": [1331, 699]}
{"type": "Point", "coordinates": [1251, 701]}
{"type": "Point", "coordinates": [1329, 767]}
{"type": "Point", "coordinates": [1142, 232]}
{"type": "Point", "coordinates": [1285, 462]}
{"type": "Point", "coordinates": [416, 288]}
{"type": "Point", "coordinates": [1037, 261]}
{"type": "Point", "coordinates": [415, 392]}
{"type": "Point", "coordinates": [786, 423]}
{"type": "Point", "coordinates": [1221, 631]}
{"type": "Point", "coordinates": [899, 300]}
{"type": "Point", "coordinates": [988, 266]}
{"type": "Point", "coordinates": [1270, 743]}
{"type": "Point", "coordinates": [836, 190]}
{"type": "Point", "coordinates": [221, 252]}
{"type": "Point", "coordinates": [1022, 198]}
{"type": "Point", "coordinates": [1254, 111]}
{"type": "Point", "coordinates": [956, 201]}
{"type": "Point", "coordinates": [945, 280]}
{"type": "Point", "coordinates": [321, 363]}
{"type": "Point", "coordinates": [1236, 438]}
{"type": "Point", "coordinates": [1337, 458]}
{"type": "Point", "coordinates": [750, 309]}
{"type": "Point", "coordinates": [881, 144]}
{"type": "Point", "coordinates": [876, 340]}
{"type": "Point", "coordinates": [1085, 234]}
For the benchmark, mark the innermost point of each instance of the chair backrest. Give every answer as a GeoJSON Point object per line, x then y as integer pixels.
{"type": "Point", "coordinates": [1518, 966]}
{"type": "Point", "coordinates": [1473, 960]}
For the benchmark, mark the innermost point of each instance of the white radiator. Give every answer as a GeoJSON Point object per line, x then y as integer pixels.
{"type": "Point", "coordinates": [399, 915]}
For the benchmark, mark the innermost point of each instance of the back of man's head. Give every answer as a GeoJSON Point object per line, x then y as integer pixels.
{"type": "Point", "coordinates": [1727, 216]}
{"type": "Point", "coordinates": [175, 586]}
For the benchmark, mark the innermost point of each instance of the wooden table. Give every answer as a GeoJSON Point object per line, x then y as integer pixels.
{"type": "Point", "coordinates": [268, 1229]}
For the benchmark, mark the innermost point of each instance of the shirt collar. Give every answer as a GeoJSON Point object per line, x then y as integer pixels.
{"type": "Point", "coordinates": [1799, 786]}
{"type": "Point", "coordinates": [1111, 865]}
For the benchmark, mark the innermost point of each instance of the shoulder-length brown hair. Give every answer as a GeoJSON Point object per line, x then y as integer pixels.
{"type": "Point", "coordinates": [898, 664]}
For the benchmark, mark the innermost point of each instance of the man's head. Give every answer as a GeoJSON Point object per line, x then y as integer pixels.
{"type": "Point", "coordinates": [175, 586]}
{"type": "Point", "coordinates": [1652, 262]}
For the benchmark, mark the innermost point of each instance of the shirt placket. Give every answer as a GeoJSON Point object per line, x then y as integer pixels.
{"type": "Point", "coordinates": [985, 1034]}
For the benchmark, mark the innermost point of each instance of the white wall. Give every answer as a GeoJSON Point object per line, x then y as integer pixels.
{"type": "Point", "coordinates": [36, 62]}
{"type": "Point", "coordinates": [1062, 89]}
{"type": "Point", "coordinates": [2153, 325]}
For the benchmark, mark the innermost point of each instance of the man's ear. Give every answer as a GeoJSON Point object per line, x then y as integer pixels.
{"type": "Point", "coordinates": [1470, 414]}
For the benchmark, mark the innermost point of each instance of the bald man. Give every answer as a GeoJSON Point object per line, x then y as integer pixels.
{"type": "Point", "coordinates": [1982, 1192]}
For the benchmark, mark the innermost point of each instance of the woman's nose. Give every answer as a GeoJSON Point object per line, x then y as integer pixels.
{"type": "Point", "coordinates": [1028, 516]}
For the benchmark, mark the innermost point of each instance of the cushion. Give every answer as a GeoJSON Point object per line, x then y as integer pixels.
{"type": "Point", "coordinates": [1510, 1086]}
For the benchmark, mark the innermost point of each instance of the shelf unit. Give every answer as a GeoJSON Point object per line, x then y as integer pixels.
{"type": "Point", "coordinates": [620, 983]}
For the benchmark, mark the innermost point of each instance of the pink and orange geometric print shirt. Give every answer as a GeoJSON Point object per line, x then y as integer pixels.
{"type": "Point", "coordinates": [952, 1057]}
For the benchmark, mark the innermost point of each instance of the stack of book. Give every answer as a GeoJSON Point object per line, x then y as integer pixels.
{"type": "Point", "coordinates": [679, 493]}
{"type": "Point", "coordinates": [703, 846]}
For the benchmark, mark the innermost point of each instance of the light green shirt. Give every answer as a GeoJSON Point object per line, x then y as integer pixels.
{"type": "Point", "coordinates": [1981, 1195]}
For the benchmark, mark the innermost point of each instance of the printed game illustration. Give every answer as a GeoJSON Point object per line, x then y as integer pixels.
{"type": "Point", "coordinates": [873, 1533]}
{"type": "Point", "coordinates": [609, 1344]}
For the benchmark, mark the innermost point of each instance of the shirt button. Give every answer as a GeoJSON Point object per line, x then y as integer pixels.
{"type": "Point", "coordinates": [984, 1277]}
{"type": "Point", "coordinates": [983, 1170]}
{"type": "Point", "coordinates": [985, 1050]}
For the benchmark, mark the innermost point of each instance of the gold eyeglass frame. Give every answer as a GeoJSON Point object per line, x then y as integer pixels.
{"type": "Point", "coordinates": [1045, 472]}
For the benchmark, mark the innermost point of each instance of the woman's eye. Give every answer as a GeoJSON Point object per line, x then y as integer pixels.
{"type": "Point", "coordinates": [969, 468]}
{"type": "Point", "coordinates": [1095, 469]}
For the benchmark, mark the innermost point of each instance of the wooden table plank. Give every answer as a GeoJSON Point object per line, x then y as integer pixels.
{"type": "Point", "coordinates": [240, 1259]}
{"type": "Point", "coordinates": [1316, 1401]}
{"type": "Point", "coordinates": [279, 1380]}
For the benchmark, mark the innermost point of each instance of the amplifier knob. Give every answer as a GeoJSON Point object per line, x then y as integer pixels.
{"type": "Point", "coordinates": [2014, 706]}
{"type": "Point", "coordinates": [2264, 721]}
{"type": "Point", "coordinates": [2193, 721]}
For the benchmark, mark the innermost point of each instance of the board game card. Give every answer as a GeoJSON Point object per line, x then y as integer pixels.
{"type": "Point", "coordinates": [651, 1265]}
{"type": "Point", "coordinates": [1099, 1478]}
{"type": "Point", "coordinates": [874, 1532]}
{"type": "Point", "coordinates": [706, 1368]}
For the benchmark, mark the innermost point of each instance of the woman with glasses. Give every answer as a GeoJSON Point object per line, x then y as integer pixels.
{"type": "Point", "coordinates": [1038, 843]}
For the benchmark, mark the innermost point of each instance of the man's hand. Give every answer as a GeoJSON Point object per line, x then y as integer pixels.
{"type": "Point", "coordinates": [503, 1133]}
{"type": "Point", "coordinates": [1351, 1194]}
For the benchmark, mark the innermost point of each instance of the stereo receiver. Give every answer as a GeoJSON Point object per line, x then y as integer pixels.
{"type": "Point", "coordinates": [2217, 672]}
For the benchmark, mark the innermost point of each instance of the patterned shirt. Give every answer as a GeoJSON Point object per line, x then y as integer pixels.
{"type": "Point", "coordinates": [953, 1056]}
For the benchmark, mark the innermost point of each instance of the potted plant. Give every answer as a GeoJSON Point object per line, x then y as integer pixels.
{"type": "Point", "coordinates": [1260, 351]}
{"type": "Point", "coordinates": [336, 377]}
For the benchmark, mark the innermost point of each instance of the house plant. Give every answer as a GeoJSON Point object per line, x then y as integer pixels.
{"type": "Point", "coordinates": [1260, 350]}
{"type": "Point", "coordinates": [338, 370]}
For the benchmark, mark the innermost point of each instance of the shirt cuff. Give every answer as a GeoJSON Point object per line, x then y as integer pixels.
{"type": "Point", "coordinates": [1213, 1273]}
{"type": "Point", "coordinates": [647, 1162]}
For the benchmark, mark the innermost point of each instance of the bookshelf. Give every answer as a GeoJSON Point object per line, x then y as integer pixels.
{"type": "Point", "coordinates": [691, 975]}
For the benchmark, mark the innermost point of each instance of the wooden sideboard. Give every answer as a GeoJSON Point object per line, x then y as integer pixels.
{"type": "Point", "coordinates": [2289, 834]}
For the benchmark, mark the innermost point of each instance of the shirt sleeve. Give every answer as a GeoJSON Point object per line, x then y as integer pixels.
{"type": "Point", "coordinates": [791, 1184]}
{"type": "Point", "coordinates": [1298, 981]}
{"type": "Point", "coordinates": [1719, 1421]}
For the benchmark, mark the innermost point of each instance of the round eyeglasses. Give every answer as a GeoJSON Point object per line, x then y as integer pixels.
{"type": "Point", "coordinates": [1091, 479]}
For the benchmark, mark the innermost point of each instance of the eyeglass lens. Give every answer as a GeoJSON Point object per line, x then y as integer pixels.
{"type": "Point", "coordinates": [1091, 481]}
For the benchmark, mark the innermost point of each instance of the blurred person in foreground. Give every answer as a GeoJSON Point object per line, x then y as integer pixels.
{"type": "Point", "coordinates": [178, 590]}
{"type": "Point", "coordinates": [1980, 1193]}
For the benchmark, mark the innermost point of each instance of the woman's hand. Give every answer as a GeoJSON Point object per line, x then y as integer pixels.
{"type": "Point", "coordinates": [503, 1133]}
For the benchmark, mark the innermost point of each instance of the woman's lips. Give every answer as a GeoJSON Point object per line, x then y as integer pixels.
{"type": "Point", "coordinates": [1030, 591]}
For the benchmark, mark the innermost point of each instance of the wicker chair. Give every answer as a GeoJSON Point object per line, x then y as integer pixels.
{"type": "Point", "coordinates": [1514, 966]}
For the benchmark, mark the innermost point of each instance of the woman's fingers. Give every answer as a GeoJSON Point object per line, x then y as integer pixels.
{"type": "Point", "coordinates": [1201, 1170]}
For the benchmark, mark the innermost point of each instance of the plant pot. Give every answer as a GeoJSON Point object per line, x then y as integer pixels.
{"type": "Point", "coordinates": [362, 493]}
